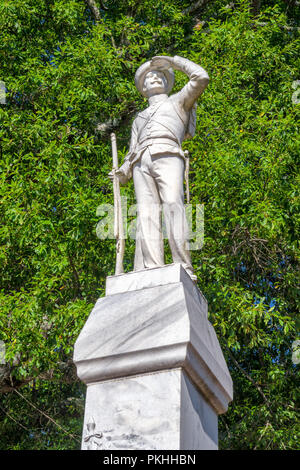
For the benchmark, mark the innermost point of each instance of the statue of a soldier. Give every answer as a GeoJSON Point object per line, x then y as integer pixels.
{"type": "Point", "coordinates": [156, 160]}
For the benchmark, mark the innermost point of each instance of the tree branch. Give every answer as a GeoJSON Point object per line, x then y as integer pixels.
{"type": "Point", "coordinates": [97, 16]}
{"type": "Point", "coordinates": [75, 275]}
{"type": "Point", "coordinates": [258, 388]}
{"type": "Point", "coordinates": [255, 7]}
{"type": "Point", "coordinates": [13, 419]}
{"type": "Point", "coordinates": [103, 6]}
{"type": "Point", "coordinates": [286, 28]}
{"type": "Point", "coordinates": [94, 9]}
{"type": "Point", "coordinates": [267, 425]}
{"type": "Point", "coordinates": [46, 416]}
{"type": "Point", "coordinates": [7, 385]}
{"type": "Point", "coordinates": [194, 7]}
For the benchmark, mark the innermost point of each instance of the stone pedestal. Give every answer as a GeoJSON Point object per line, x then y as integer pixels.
{"type": "Point", "coordinates": [156, 375]}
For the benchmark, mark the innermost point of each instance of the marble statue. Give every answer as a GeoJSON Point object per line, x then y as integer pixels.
{"type": "Point", "coordinates": [156, 160]}
{"type": "Point", "coordinates": [155, 373]}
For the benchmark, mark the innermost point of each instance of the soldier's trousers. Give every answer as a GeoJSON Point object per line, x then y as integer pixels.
{"type": "Point", "coordinates": [158, 182]}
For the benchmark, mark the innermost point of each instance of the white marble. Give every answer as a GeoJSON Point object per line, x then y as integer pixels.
{"type": "Point", "coordinates": [160, 276]}
{"type": "Point", "coordinates": [152, 329]}
{"type": "Point", "coordinates": [136, 412]}
{"type": "Point", "coordinates": [159, 411]}
{"type": "Point", "coordinates": [198, 420]}
{"type": "Point", "coordinates": [156, 375]}
{"type": "Point", "coordinates": [157, 162]}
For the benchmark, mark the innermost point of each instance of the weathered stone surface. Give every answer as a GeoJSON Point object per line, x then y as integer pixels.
{"type": "Point", "coordinates": [146, 278]}
{"type": "Point", "coordinates": [161, 411]}
{"type": "Point", "coordinates": [152, 329]}
{"type": "Point", "coordinates": [147, 343]}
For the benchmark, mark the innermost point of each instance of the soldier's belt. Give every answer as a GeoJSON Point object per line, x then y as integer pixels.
{"type": "Point", "coordinates": [158, 141]}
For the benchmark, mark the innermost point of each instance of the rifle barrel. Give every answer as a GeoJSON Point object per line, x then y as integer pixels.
{"type": "Point", "coordinates": [118, 225]}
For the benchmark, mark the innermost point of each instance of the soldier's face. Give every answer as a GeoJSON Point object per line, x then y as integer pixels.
{"type": "Point", "coordinates": [155, 83]}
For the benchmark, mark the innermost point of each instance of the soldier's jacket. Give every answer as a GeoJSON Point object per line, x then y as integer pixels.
{"type": "Point", "coordinates": [162, 127]}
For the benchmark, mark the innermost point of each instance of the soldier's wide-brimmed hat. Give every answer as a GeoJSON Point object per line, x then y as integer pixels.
{"type": "Point", "coordinates": [145, 68]}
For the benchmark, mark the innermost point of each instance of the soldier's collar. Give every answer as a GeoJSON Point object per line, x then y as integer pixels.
{"type": "Point", "coordinates": [157, 100]}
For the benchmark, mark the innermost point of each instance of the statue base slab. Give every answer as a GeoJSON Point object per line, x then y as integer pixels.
{"type": "Point", "coordinates": [155, 372]}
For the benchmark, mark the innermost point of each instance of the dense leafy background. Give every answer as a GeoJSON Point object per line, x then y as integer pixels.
{"type": "Point", "coordinates": [68, 68]}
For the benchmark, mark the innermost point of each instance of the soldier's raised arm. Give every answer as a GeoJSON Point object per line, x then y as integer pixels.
{"type": "Point", "coordinates": [198, 78]}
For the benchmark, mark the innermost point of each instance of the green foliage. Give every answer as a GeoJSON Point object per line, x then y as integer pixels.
{"type": "Point", "coordinates": [66, 74]}
{"type": "Point", "coordinates": [24, 427]}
